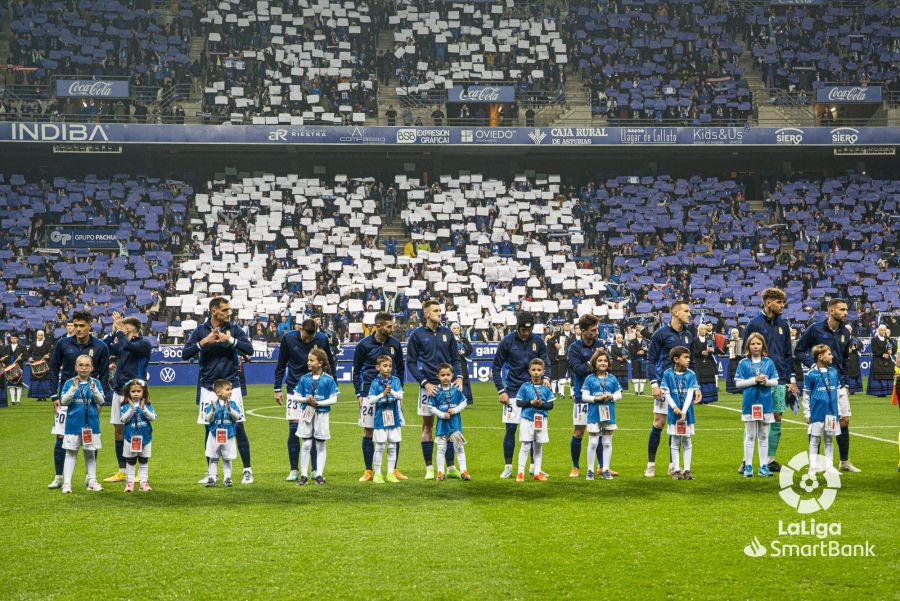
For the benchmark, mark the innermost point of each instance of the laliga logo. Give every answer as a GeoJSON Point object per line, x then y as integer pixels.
{"type": "Point", "coordinates": [788, 135]}
{"type": "Point", "coordinates": [808, 484]}
{"type": "Point", "coordinates": [844, 135]}
{"type": "Point", "coordinates": [167, 374]}
{"type": "Point", "coordinates": [60, 237]}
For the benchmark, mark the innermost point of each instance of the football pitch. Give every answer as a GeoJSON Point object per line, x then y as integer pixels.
{"type": "Point", "coordinates": [631, 537]}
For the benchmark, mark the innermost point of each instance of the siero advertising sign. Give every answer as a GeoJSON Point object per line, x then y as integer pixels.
{"type": "Point", "coordinates": [482, 94]}
{"type": "Point", "coordinates": [76, 237]}
{"type": "Point", "coordinates": [849, 95]}
{"type": "Point", "coordinates": [90, 88]}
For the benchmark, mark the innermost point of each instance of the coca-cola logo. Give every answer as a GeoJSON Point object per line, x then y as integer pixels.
{"type": "Point", "coordinates": [90, 88]}
{"type": "Point", "coordinates": [854, 94]}
{"type": "Point", "coordinates": [486, 94]}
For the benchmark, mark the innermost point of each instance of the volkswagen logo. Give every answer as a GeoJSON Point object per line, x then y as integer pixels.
{"type": "Point", "coordinates": [167, 375]}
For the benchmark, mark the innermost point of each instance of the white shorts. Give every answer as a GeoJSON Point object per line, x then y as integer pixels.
{"type": "Point", "coordinates": [768, 418]}
{"type": "Point", "coordinates": [225, 451]}
{"type": "Point", "coordinates": [388, 435]}
{"type": "Point", "coordinates": [208, 397]}
{"type": "Point", "coordinates": [115, 413]}
{"type": "Point", "coordinates": [660, 407]}
{"type": "Point", "coordinates": [72, 442]}
{"type": "Point", "coordinates": [818, 428]}
{"type": "Point", "coordinates": [423, 408]}
{"type": "Point", "coordinates": [145, 452]}
{"type": "Point", "coordinates": [843, 403]}
{"type": "Point", "coordinates": [367, 415]}
{"type": "Point", "coordinates": [672, 430]}
{"type": "Point", "coordinates": [579, 414]}
{"type": "Point", "coordinates": [292, 408]}
{"type": "Point", "coordinates": [59, 421]}
{"type": "Point", "coordinates": [319, 428]}
{"type": "Point", "coordinates": [527, 432]}
{"type": "Point", "coordinates": [512, 413]}
{"type": "Point", "coordinates": [604, 427]}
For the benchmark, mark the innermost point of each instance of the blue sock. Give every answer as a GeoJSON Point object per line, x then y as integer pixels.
{"type": "Point", "coordinates": [120, 453]}
{"type": "Point", "coordinates": [653, 444]}
{"type": "Point", "coordinates": [600, 455]}
{"type": "Point", "coordinates": [368, 449]}
{"type": "Point", "coordinates": [59, 456]}
{"type": "Point", "coordinates": [293, 444]}
{"type": "Point", "coordinates": [509, 443]}
{"type": "Point", "coordinates": [428, 452]}
{"type": "Point", "coordinates": [312, 457]}
{"type": "Point", "coordinates": [243, 444]}
{"type": "Point", "coordinates": [575, 447]}
{"type": "Point", "coordinates": [450, 455]}
{"type": "Point", "coordinates": [397, 462]}
{"type": "Point", "coordinates": [843, 443]}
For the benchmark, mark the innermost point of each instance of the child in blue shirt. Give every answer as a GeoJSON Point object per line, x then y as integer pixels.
{"type": "Point", "coordinates": [83, 395]}
{"type": "Point", "coordinates": [385, 394]}
{"type": "Point", "coordinates": [318, 392]}
{"type": "Point", "coordinates": [757, 376]}
{"type": "Point", "coordinates": [601, 390]}
{"type": "Point", "coordinates": [820, 409]}
{"type": "Point", "coordinates": [536, 400]}
{"type": "Point", "coordinates": [446, 404]}
{"type": "Point", "coordinates": [136, 415]}
{"type": "Point", "coordinates": [221, 419]}
{"type": "Point", "coordinates": [680, 388]}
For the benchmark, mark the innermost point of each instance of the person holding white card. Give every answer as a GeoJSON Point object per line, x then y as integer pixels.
{"type": "Point", "coordinates": [535, 399]}
{"type": "Point", "coordinates": [600, 391]}
{"type": "Point", "coordinates": [83, 395]}
{"type": "Point", "coordinates": [222, 417]}
{"type": "Point", "coordinates": [680, 390]}
{"type": "Point", "coordinates": [756, 376]}
{"type": "Point", "coordinates": [318, 392]}
{"type": "Point", "coordinates": [385, 395]}
{"type": "Point", "coordinates": [136, 414]}
{"type": "Point", "coordinates": [820, 409]}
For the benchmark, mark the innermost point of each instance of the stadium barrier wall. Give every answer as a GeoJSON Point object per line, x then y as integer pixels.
{"type": "Point", "coordinates": [280, 135]}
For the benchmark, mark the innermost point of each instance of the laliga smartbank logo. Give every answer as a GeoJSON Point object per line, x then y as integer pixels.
{"type": "Point", "coordinates": [808, 485]}
{"type": "Point", "coordinates": [802, 490]}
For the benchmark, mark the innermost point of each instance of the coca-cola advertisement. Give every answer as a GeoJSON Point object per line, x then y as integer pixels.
{"type": "Point", "coordinates": [482, 94]}
{"type": "Point", "coordinates": [91, 88]}
{"type": "Point", "coordinates": [849, 95]}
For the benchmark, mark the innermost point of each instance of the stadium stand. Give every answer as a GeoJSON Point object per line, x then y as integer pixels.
{"type": "Point", "coordinates": [800, 48]}
{"type": "Point", "coordinates": [108, 39]}
{"type": "Point", "coordinates": [45, 278]}
{"type": "Point", "coordinates": [294, 63]}
{"type": "Point", "coordinates": [619, 247]}
{"type": "Point", "coordinates": [657, 62]}
{"type": "Point", "coordinates": [440, 44]}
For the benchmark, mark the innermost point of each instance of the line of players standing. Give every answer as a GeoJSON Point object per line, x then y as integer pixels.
{"type": "Point", "coordinates": [219, 345]}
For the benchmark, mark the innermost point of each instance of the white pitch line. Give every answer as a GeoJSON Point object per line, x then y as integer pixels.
{"type": "Point", "coordinates": [793, 421]}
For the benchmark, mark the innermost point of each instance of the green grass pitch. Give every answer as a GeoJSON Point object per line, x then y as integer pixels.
{"type": "Point", "coordinates": [489, 538]}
